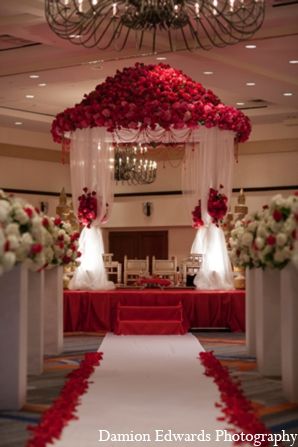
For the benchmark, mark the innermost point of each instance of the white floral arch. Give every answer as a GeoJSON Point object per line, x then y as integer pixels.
{"type": "Point", "coordinates": [209, 158]}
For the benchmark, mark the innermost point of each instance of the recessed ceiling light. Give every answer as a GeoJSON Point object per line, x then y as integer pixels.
{"type": "Point", "coordinates": [29, 96]}
{"type": "Point", "coordinates": [250, 84]}
{"type": "Point", "coordinates": [161, 58]}
{"type": "Point", "coordinates": [42, 84]}
{"type": "Point", "coordinates": [18, 123]}
{"type": "Point", "coordinates": [250, 46]}
{"type": "Point", "coordinates": [240, 103]}
{"type": "Point", "coordinates": [288, 94]}
{"type": "Point", "coordinates": [75, 36]}
{"type": "Point", "coordinates": [34, 76]}
{"type": "Point", "coordinates": [208, 72]}
{"type": "Point", "coordinates": [294, 61]}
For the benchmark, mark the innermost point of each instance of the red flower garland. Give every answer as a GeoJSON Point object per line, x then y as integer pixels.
{"type": "Point", "coordinates": [197, 216]}
{"type": "Point", "coordinates": [87, 211]}
{"type": "Point", "coordinates": [145, 96]}
{"type": "Point", "coordinates": [217, 205]}
{"type": "Point", "coordinates": [236, 409]}
{"type": "Point", "coordinates": [64, 407]}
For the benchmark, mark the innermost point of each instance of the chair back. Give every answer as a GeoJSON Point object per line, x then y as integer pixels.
{"type": "Point", "coordinates": [135, 268]}
{"type": "Point", "coordinates": [165, 268]}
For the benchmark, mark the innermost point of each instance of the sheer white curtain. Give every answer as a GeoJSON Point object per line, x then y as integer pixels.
{"type": "Point", "coordinates": [92, 166]}
{"type": "Point", "coordinates": [208, 164]}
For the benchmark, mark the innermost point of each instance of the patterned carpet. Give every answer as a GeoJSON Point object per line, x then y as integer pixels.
{"type": "Point", "coordinates": [265, 393]}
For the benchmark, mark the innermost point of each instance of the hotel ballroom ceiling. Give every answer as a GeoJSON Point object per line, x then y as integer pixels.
{"type": "Point", "coordinates": [41, 74]}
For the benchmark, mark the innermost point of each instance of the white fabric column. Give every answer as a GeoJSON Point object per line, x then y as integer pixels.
{"type": "Point", "coordinates": [35, 322]}
{"type": "Point", "coordinates": [250, 311]}
{"type": "Point", "coordinates": [214, 160]}
{"type": "Point", "coordinates": [13, 338]}
{"type": "Point", "coordinates": [53, 311]}
{"type": "Point", "coordinates": [268, 333]}
{"type": "Point", "coordinates": [92, 166]}
{"type": "Point", "coordinates": [289, 331]}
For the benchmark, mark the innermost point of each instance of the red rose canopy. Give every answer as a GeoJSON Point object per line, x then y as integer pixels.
{"type": "Point", "coordinates": [147, 96]}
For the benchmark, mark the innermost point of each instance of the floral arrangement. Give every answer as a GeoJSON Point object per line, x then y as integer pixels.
{"type": "Point", "coordinates": [197, 216]}
{"type": "Point", "coordinates": [267, 238]}
{"type": "Point", "coordinates": [64, 407]}
{"type": "Point", "coordinates": [62, 242]}
{"type": "Point", "coordinates": [236, 409]}
{"type": "Point", "coordinates": [28, 236]}
{"type": "Point", "coordinates": [217, 205]}
{"type": "Point", "coordinates": [87, 211]}
{"type": "Point", "coordinates": [147, 96]}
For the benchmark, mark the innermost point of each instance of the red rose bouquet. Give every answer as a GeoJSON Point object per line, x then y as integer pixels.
{"type": "Point", "coordinates": [87, 211]}
{"type": "Point", "coordinates": [197, 216]}
{"type": "Point", "coordinates": [217, 205]}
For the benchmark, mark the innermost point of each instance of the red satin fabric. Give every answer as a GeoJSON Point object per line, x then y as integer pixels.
{"type": "Point", "coordinates": [94, 311]}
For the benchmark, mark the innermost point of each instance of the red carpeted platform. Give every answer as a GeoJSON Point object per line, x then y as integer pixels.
{"type": "Point", "coordinates": [94, 311]}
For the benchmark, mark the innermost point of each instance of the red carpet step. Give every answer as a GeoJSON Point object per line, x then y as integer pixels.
{"type": "Point", "coordinates": [150, 320]}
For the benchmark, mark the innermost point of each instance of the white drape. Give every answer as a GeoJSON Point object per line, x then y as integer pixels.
{"type": "Point", "coordinates": [92, 166]}
{"type": "Point", "coordinates": [208, 165]}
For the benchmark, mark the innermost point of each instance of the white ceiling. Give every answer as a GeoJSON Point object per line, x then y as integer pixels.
{"type": "Point", "coordinates": [68, 73]}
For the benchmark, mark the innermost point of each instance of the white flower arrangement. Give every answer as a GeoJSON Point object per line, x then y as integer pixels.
{"type": "Point", "coordinates": [267, 239]}
{"type": "Point", "coordinates": [28, 236]}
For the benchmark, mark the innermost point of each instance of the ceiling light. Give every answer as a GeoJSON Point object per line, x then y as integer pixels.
{"type": "Point", "coordinates": [29, 96]}
{"type": "Point", "coordinates": [188, 23]}
{"type": "Point", "coordinates": [250, 47]}
{"type": "Point", "coordinates": [250, 84]}
{"type": "Point", "coordinates": [42, 84]}
{"type": "Point", "coordinates": [34, 76]}
{"type": "Point", "coordinates": [294, 61]}
{"type": "Point", "coordinates": [288, 94]}
{"type": "Point", "coordinates": [18, 123]}
{"type": "Point", "coordinates": [240, 103]}
{"type": "Point", "coordinates": [161, 58]}
{"type": "Point", "coordinates": [208, 72]}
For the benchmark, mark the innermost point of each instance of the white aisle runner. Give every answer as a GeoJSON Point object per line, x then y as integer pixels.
{"type": "Point", "coordinates": [145, 384]}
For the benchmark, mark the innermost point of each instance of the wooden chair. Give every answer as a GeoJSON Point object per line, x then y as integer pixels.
{"type": "Point", "coordinates": [134, 269]}
{"type": "Point", "coordinates": [165, 268]}
{"type": "Point", "coordinates": [190, 266]}
{"type": "Point", "coordinates": [113, 268]}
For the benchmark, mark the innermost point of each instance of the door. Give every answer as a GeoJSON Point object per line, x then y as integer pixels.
{"type": "Point", "coordinates": [138, 244]}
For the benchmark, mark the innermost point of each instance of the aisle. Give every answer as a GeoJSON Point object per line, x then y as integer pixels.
{"type": "Point", "coordinates": [145, 384]}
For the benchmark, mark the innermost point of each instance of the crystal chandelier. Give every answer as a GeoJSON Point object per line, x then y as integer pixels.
{"type": "Point", "coordinates": [131, 167]}
{"type": "Point", "coordinates": [192, 23]}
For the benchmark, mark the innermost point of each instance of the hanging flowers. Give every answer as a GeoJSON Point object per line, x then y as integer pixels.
{"type": "Point", "coordinates": [87, 211]}
{"type": "Point", "coordinates": [217, 205]}
{"type": "Point", "coordinates": [147, 96]}
{"type": "Point", "coordinates": [197, 216]}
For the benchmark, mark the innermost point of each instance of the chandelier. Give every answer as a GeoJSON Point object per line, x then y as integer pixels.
{"type": "Point", "coordinates": [131, 167]}
{"type": "Point", "coordinates": [192, 23]}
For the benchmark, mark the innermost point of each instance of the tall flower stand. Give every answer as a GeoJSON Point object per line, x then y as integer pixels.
{"type": "Point", "coordinates": [13, 338]}
{"type": "Point", "coordinates": [53, 311]}
{"type": "Point", "coordinates": [35, 322]}
{"type": "Point", "coordinates": [250, 311]}
{"type": "Point", "coordinates": [289, 331]}
{"type": "Point", "coordinates": [268, 333]}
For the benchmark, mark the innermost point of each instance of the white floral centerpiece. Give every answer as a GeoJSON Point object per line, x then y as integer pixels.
{"type": "Point", "coordinates": [267, 239]}
{"type": "Point", "coordinates": [26, 235]}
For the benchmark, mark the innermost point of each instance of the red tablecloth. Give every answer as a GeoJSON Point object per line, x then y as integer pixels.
{"type": "Point", "coordinates": [93, 311]}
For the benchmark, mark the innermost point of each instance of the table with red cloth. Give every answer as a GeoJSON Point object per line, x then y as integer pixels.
{"type": "Point", "coordinates": [96, 311]}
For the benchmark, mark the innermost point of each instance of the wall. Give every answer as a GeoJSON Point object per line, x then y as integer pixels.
{"type": "Point", "coordinates": [268, 163]}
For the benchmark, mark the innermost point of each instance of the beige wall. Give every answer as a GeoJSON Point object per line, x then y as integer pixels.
{"type": "Point", "coordinates": [263, 163]}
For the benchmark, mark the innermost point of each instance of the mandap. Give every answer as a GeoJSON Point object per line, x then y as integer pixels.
{"type": "Point", "coordinates": [153, 104]}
